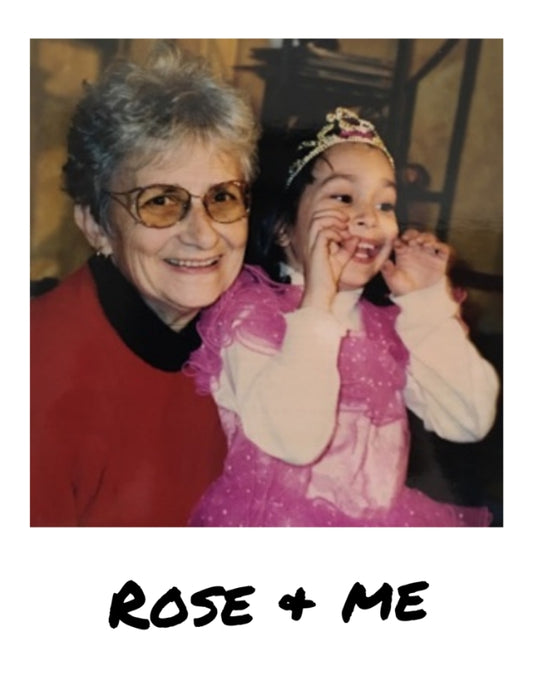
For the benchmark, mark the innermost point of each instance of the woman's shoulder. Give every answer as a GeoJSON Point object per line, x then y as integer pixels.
{"type": "Point", "coordinates": [60, 305]}
{"type": "Point", "coordinates": [64, 329]}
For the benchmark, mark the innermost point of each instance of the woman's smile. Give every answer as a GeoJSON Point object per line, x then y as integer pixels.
{"type": "Point", "coordinates": [194, 265]}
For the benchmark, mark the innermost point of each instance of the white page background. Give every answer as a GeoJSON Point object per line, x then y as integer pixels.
{"type": "Point", "coordinates": [57, 584]}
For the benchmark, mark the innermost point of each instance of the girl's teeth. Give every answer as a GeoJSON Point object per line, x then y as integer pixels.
{"type": "Point", "coordinates": [366, 249]}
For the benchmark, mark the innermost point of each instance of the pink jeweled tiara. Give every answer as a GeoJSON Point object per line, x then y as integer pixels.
{"type": "Point", "coordinates": [343, 126]}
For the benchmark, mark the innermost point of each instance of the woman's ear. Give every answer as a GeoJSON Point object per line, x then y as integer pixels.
{"type": "Point", "coordinates": [93, 232]}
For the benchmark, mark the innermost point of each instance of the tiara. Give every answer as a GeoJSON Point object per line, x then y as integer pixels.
{"type": "Point", "coordinates": [343, 126]}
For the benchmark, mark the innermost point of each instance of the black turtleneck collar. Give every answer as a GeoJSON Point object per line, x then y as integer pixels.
{"type": "Point", "coordinates": [136, 324]}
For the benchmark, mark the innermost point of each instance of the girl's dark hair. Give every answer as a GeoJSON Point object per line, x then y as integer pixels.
{"type": "Point", "coordinates": [268, 217]}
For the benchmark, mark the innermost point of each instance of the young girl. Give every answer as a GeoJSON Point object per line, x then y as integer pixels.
{"type": "Point", "coordinates": [312, 380]}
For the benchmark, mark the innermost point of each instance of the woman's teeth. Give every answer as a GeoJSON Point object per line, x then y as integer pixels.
{"type": "Point", "coordinates": [193, 263]}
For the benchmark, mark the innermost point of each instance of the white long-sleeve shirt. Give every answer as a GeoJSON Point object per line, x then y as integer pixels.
{"type": "Point", "coordinates": [287, 401]}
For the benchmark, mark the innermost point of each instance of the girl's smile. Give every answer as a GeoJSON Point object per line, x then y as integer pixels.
{"type": "Point", "coordinates": [364, 252]}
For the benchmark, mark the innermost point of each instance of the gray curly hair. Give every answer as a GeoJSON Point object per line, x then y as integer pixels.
{"type": "Point", "coordinates": [134, 112]}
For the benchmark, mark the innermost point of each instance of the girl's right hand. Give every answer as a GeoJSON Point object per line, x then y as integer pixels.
{"type": "Point", "coordinates": [324, 258]}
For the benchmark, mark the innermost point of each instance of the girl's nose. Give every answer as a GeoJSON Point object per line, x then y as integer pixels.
{"type": "Point", "coordinates": [365, 216]}
{"type": "Point", "coordinates": [197, 228]}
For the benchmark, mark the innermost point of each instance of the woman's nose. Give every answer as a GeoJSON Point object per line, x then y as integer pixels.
{"type": "Point", "coordinates": [197, 228]}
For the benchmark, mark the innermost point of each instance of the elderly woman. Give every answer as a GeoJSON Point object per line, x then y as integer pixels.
{"type": "Point", "coordinates": [159, 161]}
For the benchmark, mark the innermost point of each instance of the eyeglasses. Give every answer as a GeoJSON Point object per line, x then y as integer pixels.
{"type": "Point", "coordinates": [160, 206]}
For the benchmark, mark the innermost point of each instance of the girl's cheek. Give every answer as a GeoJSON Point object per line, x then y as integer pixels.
{"type": "Point", "coordinates": [332, 204]}
{"type": "Point", "coordinates": [325, 202]}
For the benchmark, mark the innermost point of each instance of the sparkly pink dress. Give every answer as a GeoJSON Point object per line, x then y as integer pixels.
{"type": "Point", "coordinates": [359, 480]}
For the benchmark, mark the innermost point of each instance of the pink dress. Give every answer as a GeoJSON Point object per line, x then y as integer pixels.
{"type": "Point", "coordinates": [359, 480]}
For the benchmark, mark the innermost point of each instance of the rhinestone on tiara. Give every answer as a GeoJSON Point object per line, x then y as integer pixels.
{"type": "Point", "coordinates": [343, 126]}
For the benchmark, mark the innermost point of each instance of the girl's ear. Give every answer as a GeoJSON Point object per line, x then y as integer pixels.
{"type": "Point", "coordinates": [93, 232]}
{"type": "Point", "coordinates": [282, 237]}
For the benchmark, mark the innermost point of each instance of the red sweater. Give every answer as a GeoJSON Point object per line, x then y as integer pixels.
{"type": "Point", "coordinates": [116, 440]}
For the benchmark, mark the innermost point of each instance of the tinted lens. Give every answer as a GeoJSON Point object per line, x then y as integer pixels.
{"type": "Point", "coordinates": [227, 202]}
{"type": "Point", "coordinates": [162, 206]}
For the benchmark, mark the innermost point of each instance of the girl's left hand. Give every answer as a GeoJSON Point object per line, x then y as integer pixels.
{"type": "Point", "coordinates": [420, 261]}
